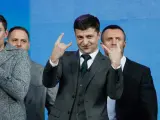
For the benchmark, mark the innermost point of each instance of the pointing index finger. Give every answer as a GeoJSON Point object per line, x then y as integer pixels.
{"type": "Point", "coordinates": [59, 38]}
{"type": "Point", "coordinates": [117, 43]}
{"type": "Point", "coordinates": [105, 48]}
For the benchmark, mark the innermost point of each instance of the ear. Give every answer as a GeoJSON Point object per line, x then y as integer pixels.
{"type": "Point", "coordinates": [124, 44]}
{"type": "Point", "coordinates": [6, 34]}
{"type": "Point", "coordinates": [28, 45]}
{"type": "Point", "coordinates": [99, 35]}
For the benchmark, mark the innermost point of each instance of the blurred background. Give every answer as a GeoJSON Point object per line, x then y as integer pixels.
{"type": "Point", "coordinates": [46, 19]}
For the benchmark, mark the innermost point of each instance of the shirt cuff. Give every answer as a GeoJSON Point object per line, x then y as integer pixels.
{"type": "Point", "coordinates": [53, 64]}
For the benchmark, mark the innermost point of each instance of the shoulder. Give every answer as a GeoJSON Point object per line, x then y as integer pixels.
{"type": "Point", "coordinates": [36, 65]}
{"type": "Point", "coordinates": [104, 59]}
{"type": "Point", "coordinates": [36, 73]}
{"type": "Point", "coordinates": [70, 53]}
{"type": "Point", "coordinates": [137, 66]}
{"type": "Point", "coordinates": [36, 68]}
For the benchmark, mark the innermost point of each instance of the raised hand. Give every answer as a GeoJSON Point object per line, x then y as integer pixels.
{"type": "Point", "coordinates": [115, 54]}
{"type": "Point", "coordinates": [59, 49]}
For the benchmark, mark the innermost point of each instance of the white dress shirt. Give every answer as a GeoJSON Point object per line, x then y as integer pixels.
{"type": "Point", "coordinates": [111, 102]}
{"type": "Point", "coordinates": [89, 62]}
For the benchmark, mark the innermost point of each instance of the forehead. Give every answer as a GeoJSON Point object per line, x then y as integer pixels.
{"type": "Point", "coordinates": [89, 31]}
{"type": "Point", "coordinates": [19, 34]}
{"type": "Point", "coordinates": [113, 33]}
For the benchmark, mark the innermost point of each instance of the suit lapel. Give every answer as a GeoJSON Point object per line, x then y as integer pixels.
{"type": "Point", "coordinates": [75, 66]}
{"type": "Point", "coordinates": [96, 66]}
{"type": "Point", "coordinates": [5, 54]}
{"type": "Point", "coordinates": [126, 70]}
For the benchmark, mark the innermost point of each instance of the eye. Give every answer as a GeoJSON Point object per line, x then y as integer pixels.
{"type": "Point", "coordinates": [1, 30]}
{"type": "Point", "coordinates": [89, 36]}
{"type": "Point", "coordinates": [108, 39]}
{"type": "Point", "coordinates": [79, 37]}
{"type": "Point", "coordinates": [24, 41]}
{"type": "Point", "coordinates": [119, 39]}
{"type": "Point", "coordinates": [14, 40]}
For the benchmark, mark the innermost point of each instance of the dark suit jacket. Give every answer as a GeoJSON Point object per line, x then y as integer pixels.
{"type": "Point", "coordinates": [101, 81]}
{"type": "Point", "coordinates": [138, 101]}
{"type": "Point", "coordinates": [38, 95]}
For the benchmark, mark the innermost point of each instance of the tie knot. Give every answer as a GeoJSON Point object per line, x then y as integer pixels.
{"type": "Point", "coordinates": [86, 57]}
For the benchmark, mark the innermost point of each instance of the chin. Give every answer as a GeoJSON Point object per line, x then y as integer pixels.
{"type": "Point", "coordinates": [87, 51]}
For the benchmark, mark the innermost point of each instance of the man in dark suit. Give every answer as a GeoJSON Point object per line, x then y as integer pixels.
{"type": "Point", "coordinates": [139, 100]}
{"type": "Point", "coordinates": [85, 77]}
{"type": "Point", "coordinates": [38, 96]}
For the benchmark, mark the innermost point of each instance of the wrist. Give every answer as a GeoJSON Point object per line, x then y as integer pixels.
{"type": "Point", "coordinates": [54, 60]}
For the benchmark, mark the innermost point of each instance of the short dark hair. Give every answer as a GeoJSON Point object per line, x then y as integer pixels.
{"type": "Point", "coordinates": [4, 22]}
{"type": "Point", "coordinates": [18, 28]}
{"type": "Point", "coordinates": [112, 27]}
{"type": "Point", "coordinates": [86, 21]}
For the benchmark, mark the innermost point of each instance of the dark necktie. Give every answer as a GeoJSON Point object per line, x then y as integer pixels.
{"type": "Point", "coordinates": [84, 66]}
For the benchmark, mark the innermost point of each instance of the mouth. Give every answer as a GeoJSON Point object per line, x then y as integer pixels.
{"type": "Point", "coordinates": [86, 47]}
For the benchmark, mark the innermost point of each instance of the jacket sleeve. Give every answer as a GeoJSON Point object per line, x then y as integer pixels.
{"type": "Point", "coordinates": [51, 75]}
{"type": "Point", "coordinates": [17, 83]}
{"type": "Point", "coordinates": [115, 83]}
{"type": "Point", "coordinates": [51, 97]}
{"type": "Point", "coordinates": [148, 97]}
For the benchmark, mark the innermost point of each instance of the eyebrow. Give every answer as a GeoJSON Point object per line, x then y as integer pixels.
{"type": "Point", "coordinates": [113, 37]}
{"type": "Point", "coordinates": [90, 35]}
{"type": "Point", "coordinates": [17, 38]}
{"type": "Point", "coordinates": [109, 38]}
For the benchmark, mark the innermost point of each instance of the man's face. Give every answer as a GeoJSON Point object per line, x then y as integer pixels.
{"type": "Point", "coordinates": [112, 36]}
{"type": "Point", "coordinates": [19, 38]}
{"type": "Point", "coordinates": [87, 40]}
{"type": "Point", "coordinates": [3, 34]}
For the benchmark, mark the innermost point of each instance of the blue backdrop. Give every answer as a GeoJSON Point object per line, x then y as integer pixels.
{"type": "Point", "coordinates": [46, 19]}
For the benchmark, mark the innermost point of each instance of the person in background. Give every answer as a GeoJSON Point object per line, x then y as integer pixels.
{"type": "Point", "coordinates": [14, 78]}
{"type": "Point", "coordinates": [38, 96]}
{"type": "Point", "coordinates": [139, 100]}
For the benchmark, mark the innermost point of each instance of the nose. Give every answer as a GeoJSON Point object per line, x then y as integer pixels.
{"type": "Point", "coordinates": [85, 41]}
{"type": "Point", "coordinates": [114, 41]}
{"type": "Point", "coordinates": [19, 44]}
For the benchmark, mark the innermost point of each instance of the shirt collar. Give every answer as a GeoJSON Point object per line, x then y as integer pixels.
{"type": "Point", "coordinates": [93, 55]}
{"type": "Point", "coordinates": [123, 61]}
